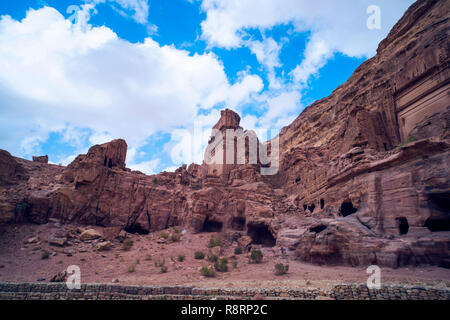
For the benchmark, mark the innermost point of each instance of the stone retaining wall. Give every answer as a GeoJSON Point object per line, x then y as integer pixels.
{"type": "Point", "coordinates": [56, 291]}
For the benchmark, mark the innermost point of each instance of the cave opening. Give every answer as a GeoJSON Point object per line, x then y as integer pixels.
{"type": "Point", "coordinates": [298, 180]}
{"type": "Point", "coordinates": [261, 234]}
{"type": "Point", "coordinates": [212, 226]}
{"type": "Point", "coordinates": [441, 202]}
{"type": "Point", "coordinates": [238, 224]}
{"type": "Point", "coordinates": [347, 209]}
{"type": "Point", "coordinates": [318, 229]}
{"type": "Point", "coordinates": [438, 224]}
{"type": "Point", "coordinates": [312, 208]}
{"type": "Point", "coordinates": [403, 225]}
{"type": "Point", "coordinates": [110, 164]}
{"type": "Point", "coordinates": [322, 203]}
{"type": "Point", "coordinates": [136, 229]}
{"type": "Point", "coordinates": [305, 207]}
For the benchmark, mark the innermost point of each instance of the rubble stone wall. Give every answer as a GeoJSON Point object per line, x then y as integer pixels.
{"type": "Point", "coordinates": [56, 291]}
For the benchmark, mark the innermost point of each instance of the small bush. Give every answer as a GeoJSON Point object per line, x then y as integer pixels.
{"type": "Point", "coordinates": [234, 264]}
{"type": "Point", "coordinates": [215, 242]}
{"type": "Point", "coordinates": [281, 269]}
{"type": "Point", "coordinates": [256, 256]}
{"type": "Point", "coordinates": [213, 258]}
{"type": "Point", "coordinates": [181, 257]}
{"type": "Point", "coordinates": [199, 255]}
{"type": "Point", "coordinates": [197, 186]}
{"type": "Point", "coordinates": [131, 268]}
{"type": "Point", "coordinates": [208, 272]}
{"type": "Point", "coordinates": [409, 139]}
{"type": "Point", "coordinates": [127, 244]}
{"type": "Point", "coordinates": [155, 181]}
{"type": "Point", "coordinates": [175, 237]}
{"type": "Point", "coordinates": [164, 235]}
{"type": "Point", "coordinates": [222, 265]}
{"type": "Point", "coordinates": [148, 257]}
{"type": "Point", "coordinates": [45, 255]}
{"type": "Point", "coordinates": [160, 263]}
{"type": "Point", "coordinates": [163, 269]}
{"type": "Point", "coordinates": [176, 230]}
{"type": "Point", "coordinates": [238, 250]}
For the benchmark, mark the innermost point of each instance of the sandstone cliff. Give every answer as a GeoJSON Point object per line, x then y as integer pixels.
{"type": "Point", "coordinates": [363, 177]}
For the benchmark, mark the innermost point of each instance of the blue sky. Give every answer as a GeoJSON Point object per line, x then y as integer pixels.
{"type": "Point", "coordinates": [74, 73]}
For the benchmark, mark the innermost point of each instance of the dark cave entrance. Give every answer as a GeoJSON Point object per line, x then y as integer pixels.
{"type": "Point", "coordinates": [107, 162]}
{"type": "Point", "coordinates": [136, 229]}
{"type": "Point", "coordinates": [318, 229]}
{"type": "Point", "coordinates": [347, 209]}
{"type": "Point", "coordinates": [440, 220]}
{"type": "Point", "coordinates": [403, 225]}
{"type": "Point", "coordinates": [305, 207]}
{"type": "Point", "coordinates": [322, 203]}
{"type": "Point", "coordinates": [212, 226]}
{"type": "Point", "coordinates": [312, 208]}
{"type": "Point", "coordinates": [438, 224]}
{"type": "Point", "coordinates": [261, 234]}
{"type": "Point", "coordinates": [238, 224]}
{"type": "Point", "coordinates": [440, 202]}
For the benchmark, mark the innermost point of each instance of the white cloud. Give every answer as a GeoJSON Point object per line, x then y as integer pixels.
{"type": "Point", "coordinates": [267, 53]}
{"type": "Point", "coordinates": [147, 167]}
{"type": "Point", "coordinates": [55, 75]}
{"type": "Point", "coordinates": [335, 26]}
{"type": "Point", "coordinates": [137, 9]}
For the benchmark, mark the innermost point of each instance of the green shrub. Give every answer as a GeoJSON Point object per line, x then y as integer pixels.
{"type": "Point", "coordinates": [197, 186]}
{"type": "Point", "coordinates": [131, 268]}
{"type": "Point", "coordinates": [45, 255]}
{"type": "Point", "coordinates": [213, 258]}
{"type": "Point", "coordinates": [409, 139]}
{"type": "Point", "coordinates": [127, 244]}
{"type": "Point", "coordinates": [181, 257]}
{"type": "Point", "coordinates": [148, 257]}
{"type": "Point", "coordinates": [281, 269]}
{"type": "Point", "coordinates": [208, 272]}
{"type": "Point", "coordinates": [256, 256]}
{"type": "Point", "coordinates": [234, 264]}
{"type": "Point", "coordinates": [199, 255]}
{"type": "Point", "coordinates": [155, 181]}
{"type": "Point", "coordinates": [176, 230]}
{"type": "Point", "coordinates": [238, 250]}
{"type": "Point", "coordinates": [164, 235]}
{"type": "Point", "coordinates": [175, 237]}
{"type": "Point", "coordinates": [222, 265]}
{"type": "Point", "coordinates": [215, 242]}
{"type": "Point", "coordinates": [160, 262]}
{"type": "Point", "coordinates": [163, 269]}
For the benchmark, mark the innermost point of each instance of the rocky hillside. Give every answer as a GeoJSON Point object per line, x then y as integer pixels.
{"type": "Point", "coordinates": [363, 176]}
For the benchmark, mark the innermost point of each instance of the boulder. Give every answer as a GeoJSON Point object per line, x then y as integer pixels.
{"type": "Point", "coordinates": [57, 241]}
{"type": "Point", "coordinates": [90, 234]}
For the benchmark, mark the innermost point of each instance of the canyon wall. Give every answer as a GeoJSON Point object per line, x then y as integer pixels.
{"type": "Point", "coordinates": [363, 175]}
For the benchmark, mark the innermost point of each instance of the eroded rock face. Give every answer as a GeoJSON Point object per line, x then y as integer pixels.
{"type": "Point", "coordinates": [363, 177]}
{"type": "Point", "coordinates": [40, 159]}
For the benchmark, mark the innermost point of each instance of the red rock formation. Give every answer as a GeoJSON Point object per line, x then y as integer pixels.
{"type": "Point", "coordinates": [363, 177]}
{"type": "Point", "coordinates": [40, 159]}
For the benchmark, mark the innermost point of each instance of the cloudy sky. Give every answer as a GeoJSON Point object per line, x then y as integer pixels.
{"type": "Point", "coordinates": [74, 73]}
